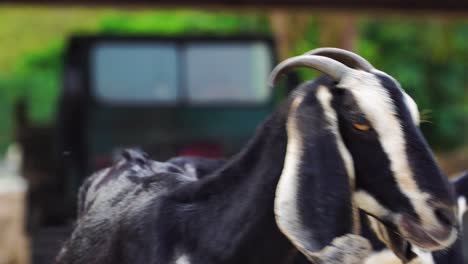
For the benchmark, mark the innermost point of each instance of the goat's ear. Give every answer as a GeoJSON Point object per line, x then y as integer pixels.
{"type": "Point", "coordinates": [460, 185]}
{"type": "Point", "coordinates": [313, 203]}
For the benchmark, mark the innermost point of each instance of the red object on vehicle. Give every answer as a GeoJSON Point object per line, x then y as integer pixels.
{"type": "Point", "coordinates": [101, 162]}
{"type": "Point", "coordinates": [202, 150]}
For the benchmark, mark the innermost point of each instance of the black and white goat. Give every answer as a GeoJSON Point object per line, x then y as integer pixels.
{"type": "Point", "coordinates": [348, 140]}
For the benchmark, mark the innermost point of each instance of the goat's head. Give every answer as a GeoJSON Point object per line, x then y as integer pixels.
{"type": "Point", "coordinates": [392, 170]}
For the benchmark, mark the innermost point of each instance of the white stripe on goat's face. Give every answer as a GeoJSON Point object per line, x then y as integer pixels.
{"type": "Point", "coordinates": [392, 160]}
{"type": "Point", "coordinates": [409, 102]}
{"type": "Point", "coordinates": [377, 106]}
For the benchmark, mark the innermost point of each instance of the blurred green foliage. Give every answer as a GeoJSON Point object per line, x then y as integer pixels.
{"type": "Point", "coordinates": [429, 58]}
{"type": "Point", "coordinates": [185, 22]}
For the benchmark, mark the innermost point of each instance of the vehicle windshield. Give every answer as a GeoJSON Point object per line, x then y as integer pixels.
{"type": "Point", "coordinates": [227, 73]}
{"type": "Point", "coordinates": [167, 73]}
{"type": "Point", "coordinates": [136, 73]}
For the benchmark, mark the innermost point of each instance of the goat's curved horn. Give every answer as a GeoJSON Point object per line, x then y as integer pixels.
{"type": "Point", "coordinates": [346, 57]}
{"type": "Point", "coordinates": [330, 67]}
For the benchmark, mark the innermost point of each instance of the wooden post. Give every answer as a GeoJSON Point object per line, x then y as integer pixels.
{"type": "Point", "coordinates": [290, 27]}
{"type": "Point", "coordinates": [280, 27]}
{"type": "Point", "coordinates": [338, 31]}
{"type": "Point", "coordinates": [14, 243]}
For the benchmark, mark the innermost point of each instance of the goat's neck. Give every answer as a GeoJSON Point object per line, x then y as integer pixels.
{"type": "Point", "coordinates": [238, 198]}
{"type": "Point", "coordinates": [256, 169]}
{"type": "Point", "coordinates": [256, 166]}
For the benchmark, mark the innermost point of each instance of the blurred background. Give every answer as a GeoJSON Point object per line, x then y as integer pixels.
{"type": "Point", "coordinates": [80, 81]}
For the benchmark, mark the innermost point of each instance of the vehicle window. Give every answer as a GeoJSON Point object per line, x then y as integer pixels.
{"type": "Point", "coordinates": [135, 73]}
{"type": "Point", "coordinates": [227, 72]}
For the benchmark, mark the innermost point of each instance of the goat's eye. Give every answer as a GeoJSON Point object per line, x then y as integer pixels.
{"type": "Point", "coordinates": [361, 127]}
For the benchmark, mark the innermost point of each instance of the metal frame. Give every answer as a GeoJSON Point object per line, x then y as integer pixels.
{"type": "Point", "coordinates": [447, 6]}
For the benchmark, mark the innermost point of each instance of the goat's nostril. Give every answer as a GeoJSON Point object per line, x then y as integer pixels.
{"type": "Point", "coordinates": [445, 216]}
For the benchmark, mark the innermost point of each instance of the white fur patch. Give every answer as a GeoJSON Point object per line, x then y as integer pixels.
{"type": "Point", "coordinates": [410, 103]}
{"type": "Point", "coordinates": [412, 107]}
{"type": "Point", "coordinates": [183, 259]}
{"type": "Point", "coordinates": [386, 256]}
{"type": "Point", "coordinates": [382, 257]}
{"type": "Point", "coordinates": [461, 201]}
{"type": "Point", "coordinates": [191, 171]}
{"type": "Point", "coordinates": [423, 256]}
{"type": "Point", "coordinates": [347, 249]}
{"type": "Point", "coordinates": [368, 203]}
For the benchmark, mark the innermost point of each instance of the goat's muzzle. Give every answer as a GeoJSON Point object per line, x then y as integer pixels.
{"type": "Point", "coordinates": [432, 238]}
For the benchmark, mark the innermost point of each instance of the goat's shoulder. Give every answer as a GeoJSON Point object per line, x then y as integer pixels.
{"type": "Point", "coordinates": [135, 180]}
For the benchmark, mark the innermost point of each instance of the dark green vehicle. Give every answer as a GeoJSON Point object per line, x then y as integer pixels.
{"type": "Point", "coordinates": [168, 96]}
{"type": "Point", "coordinates": [199, 96]}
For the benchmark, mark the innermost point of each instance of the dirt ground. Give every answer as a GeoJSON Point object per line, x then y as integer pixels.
{"type": "Point", "coordinates": [14, 245]}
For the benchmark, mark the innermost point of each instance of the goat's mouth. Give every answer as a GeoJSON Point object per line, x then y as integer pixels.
{"type": "Point", "coordinates": [414, 234]}
{"type": "Point", "coordinates": [431, 240]}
